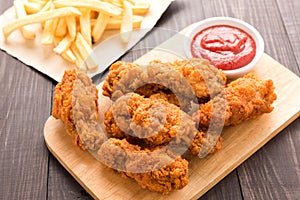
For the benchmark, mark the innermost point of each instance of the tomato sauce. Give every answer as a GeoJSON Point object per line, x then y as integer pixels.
{"type": "Point", "coordinates": [225, 46]}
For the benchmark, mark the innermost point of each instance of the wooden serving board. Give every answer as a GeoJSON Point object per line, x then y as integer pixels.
{"type": "Point", "coordinates": [239, 143]}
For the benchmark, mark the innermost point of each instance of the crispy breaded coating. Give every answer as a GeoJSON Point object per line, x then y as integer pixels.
{"type": "Point", "coordinates": [203, 78]}
{"type": "Point", "coordinates": [62, 102]}
{"type": "Point", "coordinates": [206, 80]}
{"type": "Point", "coordinates": [155, 121]}
{"type": "Point", "coordinates": [116, 72]}
{"type": "Point", "coordinates": [206, 143]}
{"type": "Point", "coordinates": [177, 126]}
{"type": "Point", "coordinates": [169, 97]}
{"type": "Point", "coordinates": [152, 169]}
{"type": "Point", "coordinates": [75, 102]}
{"type": "Point", "coordinates": [243, 99]}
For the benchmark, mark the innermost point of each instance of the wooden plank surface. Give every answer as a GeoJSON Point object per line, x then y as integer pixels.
{"type": "Point", "coordinates": [278, 21]}
{"type": "Point", "coordinates": [290, 16]}
{"type": "Point", "coordinates": [24, 109]}
{"type": "Point", "coordinates": [25, 105]}
{"type": "Point", "coordinates": [265, 169]}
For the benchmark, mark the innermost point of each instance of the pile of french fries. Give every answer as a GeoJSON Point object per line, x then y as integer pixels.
{"type": "Point", "coordinates": [73, 26]}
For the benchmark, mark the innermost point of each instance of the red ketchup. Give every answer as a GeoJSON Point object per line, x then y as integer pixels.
{"type": "Point", "coordinates": [225, 46]}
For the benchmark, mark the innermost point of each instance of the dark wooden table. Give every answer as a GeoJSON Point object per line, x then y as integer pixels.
{"type": "Point", "coordinates": [29, 171]}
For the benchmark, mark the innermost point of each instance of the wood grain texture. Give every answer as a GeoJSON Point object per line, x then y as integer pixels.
{"type": "Point", "coordinates": [277, 20]}
{"type": "Point", "coordinates": [61, 184]}
{"type": "Point", "coordinates": [228, 188]}
{"type": "Point", "coordinates": [290, 16]}
{"type": "Point", "coordinates": [24, 109]}
{"type": "Point", "coordinates": [259, 176]}
{"type": "Point", "coordinates": [272, 167]}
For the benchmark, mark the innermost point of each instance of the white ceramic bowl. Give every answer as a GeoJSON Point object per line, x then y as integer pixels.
{"type": "Point", "coordinates": [235, 73]}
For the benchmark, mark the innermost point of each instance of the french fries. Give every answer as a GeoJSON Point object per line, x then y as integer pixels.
{"type": "Point", "coordinates": [115, 23]}
{"type": "Point", "coordinates": [48, 31]}
{"type": "Point", "coordinates": [33, 7]}
{"type": "Point", "coordinates": [73, 26]}
{"type": "Point", "coordinates": [69, 56]}
{"type": "Point", "coordinates": [63, 45]}
{"type": "Point", "coordinates": [85, 25]}
{"type": "Point", "coordinates": [100, 26]}
{"type": "Point", "coordinates": [126, 25]}
{"type": "Point", "coordinates": [38, 17]}
{"type": "Point", "coordinates": [61, 29]}
{"type": "Point", "coordinates": [21, 12]}
{"type": "Point", "coordinates": [85, 51]}
{"type": "Point", "coordinates": [99, 6]}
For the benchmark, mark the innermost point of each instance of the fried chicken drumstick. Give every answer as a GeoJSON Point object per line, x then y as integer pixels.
{"type": "Point", "coordinates": [158, 171]}
{"type": "Point", "coordinates": [75, 102]}
{"type": "Point", "coordinates": [243, 99]}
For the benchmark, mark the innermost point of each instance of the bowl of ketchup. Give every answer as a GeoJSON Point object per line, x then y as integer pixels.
{"type": "Point", "coordinates": [228, 43]}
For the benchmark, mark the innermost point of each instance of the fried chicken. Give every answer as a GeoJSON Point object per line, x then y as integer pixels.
{"type": "Point", "coordinates": [148, 122]}
{"type": "Point", "coordinates": [116, 71]}
{"type": "Point", "coordinates": [205, 79]}
{"type": "Point", "coordinates": [206, 143]}
{"type": "Point", "coordinates": [157, 170]}
{"type": "Point", "coordinates": [188, 79]}
{"type": "Point", "coordinates": [75, 102]}
{"type": "Point", "coordinates": [153, 120]}
{"type": "Point", "coordinates": [243, 99]}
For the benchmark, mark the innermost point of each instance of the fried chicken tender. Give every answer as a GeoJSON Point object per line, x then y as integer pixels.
{"type": "Point", "coordinates": [203, 79]}
{"type": "Point", "coordinates": [75, 102]}
{"type": "Point", "coordinates": [243, 99]}
{"type": "Point", "coordinates": [156, 170]}
{"type": "Point", "coordinates": [153, 120]}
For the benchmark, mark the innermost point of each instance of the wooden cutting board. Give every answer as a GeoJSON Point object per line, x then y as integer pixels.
{"type": "Point", "coordinates": [239, 143]}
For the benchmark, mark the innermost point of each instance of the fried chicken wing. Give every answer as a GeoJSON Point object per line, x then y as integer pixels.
{"type": "Point", "coordinates": [75, 102]}
{"type": "Point", "coordinates": [243, 99]}
{"type": "Point", "coordinates": [205, 79]}
{"type": "Point", "coordinates": [156, 170]}
{"type": "Point", "coordinates": [186, 79]}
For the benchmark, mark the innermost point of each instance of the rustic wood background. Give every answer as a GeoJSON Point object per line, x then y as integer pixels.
{"type": "Point", "coordinates": [29, 171]}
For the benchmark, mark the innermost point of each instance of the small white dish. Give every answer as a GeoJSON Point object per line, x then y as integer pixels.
{"type": "Point", "coordinates": [234, 73]}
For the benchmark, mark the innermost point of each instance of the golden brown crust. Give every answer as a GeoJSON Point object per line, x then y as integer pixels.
{"type": "Point", "coordinates": [204, 79]}
{"type": "Point", "coordinates": [204, 143]}
{"type": "Point", "coordinates": [116, 72]}
{"type": "Point", "coordinates": [144, 124]}
{"type": "Point", "coordinates": [155, 121]}
{"type": "Point", "coordinates": [62, 102]}
{"type": "Point", "coordinates": [243, 99]}
{"type": "Point", "coordinates": [76, 104]}
{"type": "Point", "coordinates": [140, 165]}
{"type": "Point", "coordinates": [177, 124]}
